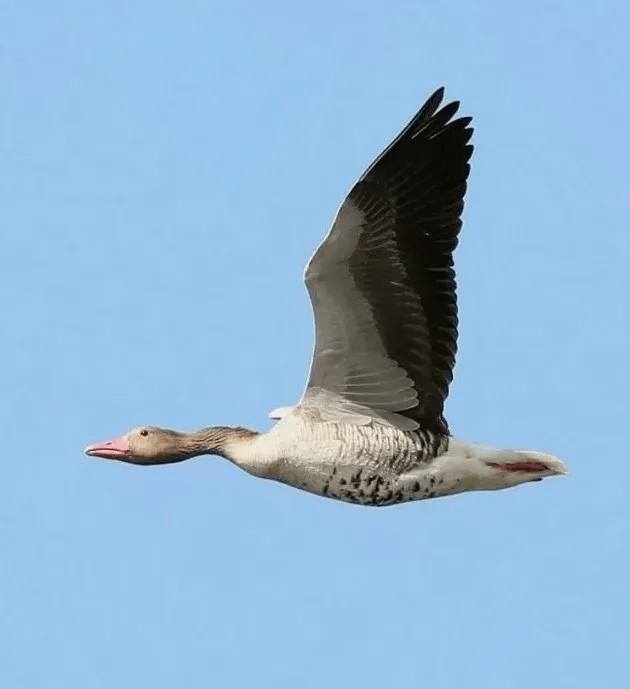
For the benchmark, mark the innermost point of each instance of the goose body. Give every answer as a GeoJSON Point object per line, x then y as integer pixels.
{"type": "Point", "coordinates": [370, 427]}
{"type": "Point", "coordinates": [380, 465]}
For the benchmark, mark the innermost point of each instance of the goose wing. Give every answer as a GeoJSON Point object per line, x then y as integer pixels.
{"type": "Point", "coordinates": [382, 283]}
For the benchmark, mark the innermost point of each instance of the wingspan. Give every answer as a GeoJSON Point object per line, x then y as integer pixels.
{"type": "Point", "coordinates": [382, 282]}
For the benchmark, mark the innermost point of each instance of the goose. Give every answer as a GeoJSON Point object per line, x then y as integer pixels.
{"type": "Point", "coordinates": [370, 427]}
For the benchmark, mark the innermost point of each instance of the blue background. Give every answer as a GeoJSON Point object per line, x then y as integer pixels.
{"type": "Point", "coordinates": [166, 169]}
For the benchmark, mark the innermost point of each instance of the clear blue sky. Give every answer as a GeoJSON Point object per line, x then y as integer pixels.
{"type": "Point", "coordinates": [166, 169]}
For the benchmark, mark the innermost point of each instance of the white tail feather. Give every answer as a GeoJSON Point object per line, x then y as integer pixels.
{"type": "Point", "coordinates": [555, 465]}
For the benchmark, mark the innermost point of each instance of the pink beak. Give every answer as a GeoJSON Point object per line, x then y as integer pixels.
{"type": "Point", "coordinates": [111, 449]}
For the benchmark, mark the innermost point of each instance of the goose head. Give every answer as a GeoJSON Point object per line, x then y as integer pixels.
{"type": "Point", "coordinates": [144, 445]}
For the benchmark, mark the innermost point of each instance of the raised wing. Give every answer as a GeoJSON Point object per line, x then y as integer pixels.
{"type": "Point", "coordinates": [382, 282]}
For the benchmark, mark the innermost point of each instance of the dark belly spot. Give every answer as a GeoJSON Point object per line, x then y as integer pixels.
{"type": "Point", "coordinates": [355, 479]}
{"type": "Point", "coordinates": [349, 496]}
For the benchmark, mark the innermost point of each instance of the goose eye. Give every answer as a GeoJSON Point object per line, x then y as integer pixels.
{"type": "Point", "coordinates": [144, 432]}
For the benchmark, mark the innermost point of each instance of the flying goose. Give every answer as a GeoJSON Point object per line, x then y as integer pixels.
{"type": "Point", "coordinates": [370, 427]}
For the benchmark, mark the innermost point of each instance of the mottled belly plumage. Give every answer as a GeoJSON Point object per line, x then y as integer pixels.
{"type": "Point", "coordinates": [365, 487]}
{"type": "Point", "coordinates": [373, 465]}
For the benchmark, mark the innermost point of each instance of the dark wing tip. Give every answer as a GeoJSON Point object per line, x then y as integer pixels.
{"type": "Point", "coordinates": [429, 108]}
{"type": "Point", "coordinates": [434, 117]}
{"type": "Point", "coordinates": [434, 100]}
